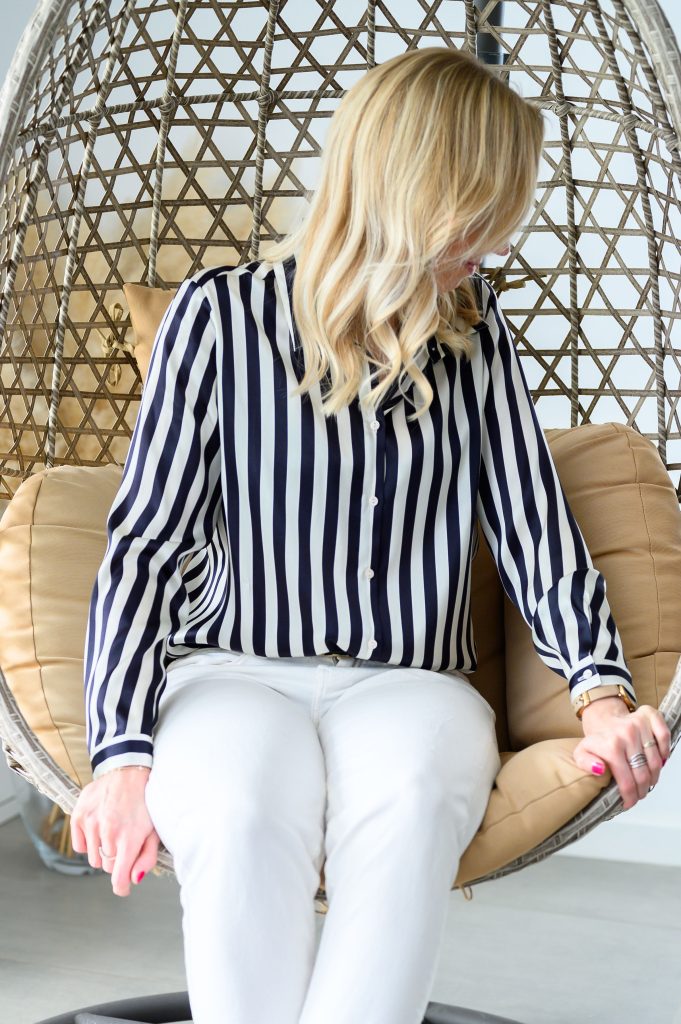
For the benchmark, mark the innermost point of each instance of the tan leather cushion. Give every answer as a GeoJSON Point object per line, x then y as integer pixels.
{"type": "Point", "coordinates": [536, 791]}
{"type": "Point", "coordinates": [52, 541]}
{"type": "Point", "coordinates": [625, 505]}
{"type": "Point", "coordinates": [487, 617]}
{"type": "Point", "coordinates": [54, 530]}
{"type": "Point", "coordinates": [147, 306]}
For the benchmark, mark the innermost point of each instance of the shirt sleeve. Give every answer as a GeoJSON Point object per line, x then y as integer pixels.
{"type": "Point", "coordinates": [166, 507]}
{"type": "Point", "coordinates": [540, 551]}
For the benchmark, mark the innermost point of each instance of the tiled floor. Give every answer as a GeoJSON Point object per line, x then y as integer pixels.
{"type": "Point", "coordinates": [567, 941]}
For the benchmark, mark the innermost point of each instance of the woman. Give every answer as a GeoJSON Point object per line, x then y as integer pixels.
{"type": "Point", "coordinates": [279, 635]}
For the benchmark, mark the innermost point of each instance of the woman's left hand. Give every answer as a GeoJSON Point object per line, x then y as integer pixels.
{"type": "Point", "coordinates": [613, 734]}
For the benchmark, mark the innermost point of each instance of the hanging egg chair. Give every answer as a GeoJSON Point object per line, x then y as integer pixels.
{"type": "Point", "coordinates": [143, 141]}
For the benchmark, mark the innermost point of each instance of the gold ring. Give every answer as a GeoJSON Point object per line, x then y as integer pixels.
{"type": "Point", "coordinates": [650, 743]}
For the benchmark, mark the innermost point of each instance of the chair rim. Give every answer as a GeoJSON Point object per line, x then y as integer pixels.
{"type": "Point", "coordinates": [656, 32]}
{"type": "Point", "coordinates": [29, 759]}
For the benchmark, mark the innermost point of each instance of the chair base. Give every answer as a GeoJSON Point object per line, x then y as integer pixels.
{"type": "Point", "coordinates": [173, 1008]}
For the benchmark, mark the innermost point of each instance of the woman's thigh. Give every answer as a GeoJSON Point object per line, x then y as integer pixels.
{"type": "Point", "coordinates": [425, 738]}
{"type": "Point", "coordinates": [227, 745]}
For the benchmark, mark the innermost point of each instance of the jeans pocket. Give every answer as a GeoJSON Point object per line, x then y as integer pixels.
{"type": "Point", "coordinates": [206, 656]}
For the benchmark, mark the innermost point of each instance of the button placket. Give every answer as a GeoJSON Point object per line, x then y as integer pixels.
{"type": "Point", "coordinates": [377, 450]}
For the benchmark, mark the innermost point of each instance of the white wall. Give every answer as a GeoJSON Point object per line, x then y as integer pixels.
{"type": "Point", "coordinates": [651, 831]}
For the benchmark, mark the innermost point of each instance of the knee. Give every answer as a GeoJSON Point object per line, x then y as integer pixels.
{"type": "Point", "coordinates": [223, 821]}
{"type": "Point", "coordinates": [413, 796]}
{"type": "Point", "coordinates": [449, 783]}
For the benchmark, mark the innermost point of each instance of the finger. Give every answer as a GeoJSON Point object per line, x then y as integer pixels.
{"type": "Point", "coordinates": [78, 840]}
{"type": "Point", "coordinates": [662, 734]}
{"type": "Point", "coordinates": [91, 830]}
{"type": "Point", "coordinates": [109, 844]}
{"type": "Point", "coordinates": [613, 753]}
{"type": "Point", "coordinates": [146, 859]}
{"type": "Point", "coordinates": [586, 758]}
{"type": "Point", "coordinates": [126, 855]}
{"type": "Point", "coordinates": [639, 773]}
{"type": "Point", "coordinates": [650, 748]}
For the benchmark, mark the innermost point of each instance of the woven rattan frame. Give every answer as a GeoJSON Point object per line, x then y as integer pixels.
{"type": "Point", "coordinates": [144, 139]}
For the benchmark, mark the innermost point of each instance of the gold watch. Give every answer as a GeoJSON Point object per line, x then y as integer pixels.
{"type": "Point", "coordinates": [596, 692]}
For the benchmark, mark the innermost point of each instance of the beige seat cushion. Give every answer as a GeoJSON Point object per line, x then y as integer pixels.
{"type": "Point", "coordinates": [55, 529]}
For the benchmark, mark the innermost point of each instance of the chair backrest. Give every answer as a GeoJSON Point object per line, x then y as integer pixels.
{"type": "Point", "coordinates": [118, 166]}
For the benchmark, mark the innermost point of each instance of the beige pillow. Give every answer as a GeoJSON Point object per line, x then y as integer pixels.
{"type": "Point", "coordinates": [147, 306]}
{"type": "Point", "coordinates": [52, 542]}
{"type": "Point", "coordinates": [626, 506]}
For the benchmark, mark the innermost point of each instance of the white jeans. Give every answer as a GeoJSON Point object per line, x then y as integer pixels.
{"type": "Point", "coordinates": [264, 767]}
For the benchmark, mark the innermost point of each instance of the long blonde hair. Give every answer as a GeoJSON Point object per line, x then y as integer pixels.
{"type": "Point", "coordinates": [427, 149]}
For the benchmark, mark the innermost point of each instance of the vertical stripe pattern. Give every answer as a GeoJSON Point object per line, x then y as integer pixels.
{"type": "Point", "coordinates": [247, 521]}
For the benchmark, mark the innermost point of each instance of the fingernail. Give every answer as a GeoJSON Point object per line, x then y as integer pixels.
{"type": "Point", "coordinates": [597, 769]}
{"type": "Point", "coordinates": [664, 761]}
{"type": "Point", "coordinates": [140, 876]}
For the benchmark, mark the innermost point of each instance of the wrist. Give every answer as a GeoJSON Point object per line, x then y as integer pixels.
{"type": "Point", "coordinates": [129, 771]}
{"type": "Point", "coordinates": [607, 706]}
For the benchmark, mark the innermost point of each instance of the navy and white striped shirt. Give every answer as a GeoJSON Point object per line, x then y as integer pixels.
{"type": "Point", "coordinates": [248, 521]}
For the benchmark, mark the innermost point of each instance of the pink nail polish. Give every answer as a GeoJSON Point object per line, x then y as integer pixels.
{"type": "Point", "coordinates": [140, 876]}
{"type": "Point", "coordinates": [597, 769]}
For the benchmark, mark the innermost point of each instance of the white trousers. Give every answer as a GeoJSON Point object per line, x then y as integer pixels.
{"type": "Point", "coordinates": [264, 769]}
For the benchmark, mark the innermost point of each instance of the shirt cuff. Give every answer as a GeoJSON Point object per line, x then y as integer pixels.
{"type": "Point", "coordinates": [121, 754]}
{"type": "Point", "coordinates": [589, 674]}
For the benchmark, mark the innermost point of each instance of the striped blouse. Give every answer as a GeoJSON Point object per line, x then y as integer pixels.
{"type": "Point", "coordinates": [247, 521]}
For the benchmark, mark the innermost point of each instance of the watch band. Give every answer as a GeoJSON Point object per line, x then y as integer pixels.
{"type": "Point", "coordinates": [598, 692]}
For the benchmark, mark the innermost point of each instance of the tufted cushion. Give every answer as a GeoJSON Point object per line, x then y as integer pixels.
{"type": "Point", "coordinates": [626, 506]}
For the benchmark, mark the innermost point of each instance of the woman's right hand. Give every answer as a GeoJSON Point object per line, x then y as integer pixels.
{"type": "Point", "coordinates": [111, 812]}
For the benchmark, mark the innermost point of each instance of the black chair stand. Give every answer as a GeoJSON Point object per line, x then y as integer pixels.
{"type": "Point", "coordinates": [173, 1008]}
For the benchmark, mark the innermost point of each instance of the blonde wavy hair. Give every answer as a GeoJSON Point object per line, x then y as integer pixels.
{"type": "Point", "coordinates": [428, 149]}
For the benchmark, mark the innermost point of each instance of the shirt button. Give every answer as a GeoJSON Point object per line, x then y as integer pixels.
{"type": "Point", "coordinates": [373, 500]}
{"type": "Point", "coordinates": [587, 673]}
{"type": "Point", "coordinates": [374, 424]}
{"type": "Point", "coordinates": [372, 644]}
{"type": "Point", "coordinates": [368, 573]}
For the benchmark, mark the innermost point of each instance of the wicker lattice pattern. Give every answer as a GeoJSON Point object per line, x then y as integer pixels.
{"type": "Point", "coordinates": [141, 140]}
